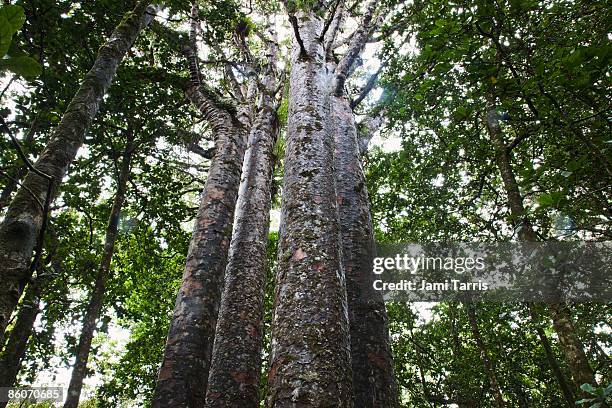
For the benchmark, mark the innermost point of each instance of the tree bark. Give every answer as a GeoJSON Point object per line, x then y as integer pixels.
{"type": "Point", "coordinates": [184, 371]}
{"type": "Point", "coordinates": [236, 361]}
{"type": "Point", "coordinates": [373, 379]}
{"type": "Point", "coordinates": [572, 347]}
{"type": "Point", "coordinates": [94, 308]}
{"type": "Point", "coordinates": [552, 360]}
{"type": "Point", "coordinates": [183, 376]}
{"type": "Point", "coordinates": [310, 356]}
{"type": "Point", "coordinates": [21, 226]}
{"type": "Point", "coordinates": [16, 346]}
{"type": "Point", "coordinates": [484, 355]}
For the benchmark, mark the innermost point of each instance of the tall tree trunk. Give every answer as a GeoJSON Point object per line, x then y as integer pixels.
{"type": "Point", "coordinates": [373, 379]}
{"type": "Point", "coordinates": [16, 346]}
{"type": "Point", "coordinates": [484, 355]}
{"type": "Point", "coordinates": [20, 229]}
{"type": "Point", "coordinates": [183, 376]}
{"type": "Point", "coordinates": [236, 361]}
{"type": "Point", "coordinates": [184, 371]}
{"type": "Point", "coordinates": [310, 356]}
{"type": "Point", "coordinates": [571, 345]}
{"type": "Point", "coordinates": [552, 360]}
{"type": "Point", "coordinates": [96, 301]}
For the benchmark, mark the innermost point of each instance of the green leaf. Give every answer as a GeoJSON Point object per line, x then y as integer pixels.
{"type": "Point", "coordinates": [15, 16]}
{"type": "Point", "coordinates": [588, 388]}
{"type": "Point", "coordinates": [24, 66]}
{"type": "Point", "coordinates": [546, 200]}
{"type": "Point", "coordinates": [6, 35]}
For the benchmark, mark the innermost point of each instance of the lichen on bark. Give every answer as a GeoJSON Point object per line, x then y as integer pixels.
{"type": "Point", "coordinates": [373, 379]}
{"type": "Point", "coordinates": [310, 356]}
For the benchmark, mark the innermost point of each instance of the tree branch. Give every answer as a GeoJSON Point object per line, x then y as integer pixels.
{"type": "Point", "coordinates": [194, 69]}
{"type": "Point", "coordinates": [229, 73]}
{"type": "Point", "coordinates": [372, 81]}
{"type": "Point", "coordinates": [356, 46]}
{"type": "Point", "coordinates": [296, 30]}
{"type": "Point", "coordinates": [330, 19]}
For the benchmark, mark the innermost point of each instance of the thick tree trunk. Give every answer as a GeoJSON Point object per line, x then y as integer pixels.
{"type": "Point", "coordinates": [484, 355]}
{"type": "Point", "coordinates": [14, 350]}
{"type": "Point", "coordinates": [310, 356]}
{"type": "Point", "coordinates": [184, 371]}
{"type": "Point", "coordinates": [96, 301]}
{"type": "Point", "coordinates": [236, 361]}
{"type": "Point", "coordinates": [20, 229]}
{"type": "Point", "coordinates": [572, 347]}
{"type": "Point", "coordinates": [552, 360]}
{"type": "Point", "coordinates": [373, 379]}
{"type": "Point", "coordinates": [16, 346]}
{"type": "Point", "coordinates": [183, 376]}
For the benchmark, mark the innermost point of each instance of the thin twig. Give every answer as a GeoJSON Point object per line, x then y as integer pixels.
{"type": "Point", "coordinates": [14, 180]}
{"type": "Point", "coordinates": [22, 155]}
{"type": "Point", "coordinates": [7, 87]}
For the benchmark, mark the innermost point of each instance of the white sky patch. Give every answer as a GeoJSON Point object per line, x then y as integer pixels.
{"type": "Point", "coordinates": [387, 145]}
{"type": "Point", "coordinates": [275, 216]}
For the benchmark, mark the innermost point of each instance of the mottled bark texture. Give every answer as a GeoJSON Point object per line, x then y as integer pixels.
{"type": "Point", "coordinates": [573, 349]}
{"type": "Point", "coordinates": [23, 221]}
{"type": "Point", "coordinates": [484, 356]}
{"type": "Point", "coordinates": [236, 363]}
{"type": "Point", "coordinates": [15, 349]}
{"type": "Point", "coordinates": [184, 371]}
{"type": "Point", "coordinates": [310, 356]}
{"type": "Point", "coordinates": [358, 41]}
{"type": "Point", "coordinates": [96, 300]}
{"type": "Point", "coordinates": [235, 370]}
{"type": "Point", "coordinates": [373, 380]}
{"type": "Point", "coordinates": [183, 376]}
